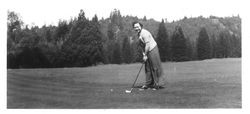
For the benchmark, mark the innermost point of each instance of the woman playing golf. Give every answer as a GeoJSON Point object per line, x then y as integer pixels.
{"type": "Point", "coordinates": [151, 57]}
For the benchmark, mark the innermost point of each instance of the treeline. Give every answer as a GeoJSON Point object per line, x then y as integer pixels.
{"type": "Point", "coordinates": [81, 42]}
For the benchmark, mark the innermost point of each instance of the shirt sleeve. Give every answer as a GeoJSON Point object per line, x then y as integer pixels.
{"type": "Point", "coordinates": [146, 36]}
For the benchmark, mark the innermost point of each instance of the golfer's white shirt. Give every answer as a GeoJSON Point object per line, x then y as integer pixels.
{"type": "Point", "coordinates": [146, 37]}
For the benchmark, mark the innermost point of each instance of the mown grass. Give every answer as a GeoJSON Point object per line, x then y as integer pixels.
{"type": "Point", "coordinates": [214, 83]}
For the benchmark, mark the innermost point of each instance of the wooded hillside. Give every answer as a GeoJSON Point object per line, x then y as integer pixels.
{"type": "Point", "coordinates": [81, 42]}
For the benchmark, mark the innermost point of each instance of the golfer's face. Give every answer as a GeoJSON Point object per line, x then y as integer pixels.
{"type": "Point", "coordinates": [137, 27]}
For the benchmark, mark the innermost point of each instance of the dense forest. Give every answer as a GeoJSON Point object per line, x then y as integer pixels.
{"type": "Point", "coordinates": [82, 42]}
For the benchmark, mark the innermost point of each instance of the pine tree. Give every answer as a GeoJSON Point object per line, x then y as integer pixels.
{"type": "Point", "coordinates": [115, 28]}
{"type": "Point", "coordinates": [179, 47]}
{"type": "Point", "coordinates": [61, 31]}
{"type": "Point", "coordinates": [236, 46]}
{"type": "Point", "coordinates": [213, 46]}
{"type": "Point", "coordinates": [14, 32]}
{"type": "Point", "coordinates": [136, 50]}
{"type": "Point", "coordinates": [190, 54]}
{"type": "Point", "coordinates": [163, 42]}
{"type": "Point", "coordinates": [117, 57]}
{"type": "Point", "coordinates": [203, 45]}
{"type": "Point", "coordinates": [223, 45]}
{"type": "Point", "coordinates": [14, 24]}
{"type": "Point", "coordinates": [126, 50]}
{"type": "Point", "coordinates": [84, 46]}
{"type": "Point", "coordinates": [100, 44]}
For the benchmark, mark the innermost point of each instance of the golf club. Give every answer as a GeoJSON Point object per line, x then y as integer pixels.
{"type": "Point", "coordinates": [129, 91]}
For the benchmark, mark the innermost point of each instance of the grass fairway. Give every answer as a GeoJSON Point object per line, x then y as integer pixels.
{"type": "Point", "coordinates": [214, 83]}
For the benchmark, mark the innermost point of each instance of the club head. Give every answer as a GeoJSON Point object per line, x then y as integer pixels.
{"type": "Point", "coordinates": [128, 91]}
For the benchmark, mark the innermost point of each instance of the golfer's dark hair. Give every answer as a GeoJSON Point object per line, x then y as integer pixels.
{"type": "Point", "coordinates": [135, 22]}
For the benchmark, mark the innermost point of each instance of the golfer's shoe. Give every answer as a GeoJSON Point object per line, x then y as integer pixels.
{"type": "Point", "coordinates": [154, 89]}
{"type": "Point", "coordinates": [144, 87]}
{"type": "Point", "coordinates": [157, 87]}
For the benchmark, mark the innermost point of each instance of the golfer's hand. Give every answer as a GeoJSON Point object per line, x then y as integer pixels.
{"type": "Point", "coordinates": [145, 58]}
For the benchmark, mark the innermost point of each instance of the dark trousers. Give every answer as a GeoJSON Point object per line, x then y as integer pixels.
{"type": "Point", "coordinates": [153, 69]}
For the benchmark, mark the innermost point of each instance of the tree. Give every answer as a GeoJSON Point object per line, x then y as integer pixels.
{"type": "Point", "coordinates": [179, 47]}
{"type": "Point", "coordinates": [84, 46]}
{"type": "Point", "coordinates": [126, 50]}
{"type": "Point", "coordinates": [47, 34]}
{"type": "Point", "coordinates": [100, 39]}
{"type": "Point", "coordinates": [14, 24]}
{"type": "Point", "coordinates": [115, 25]}
{"type": "Point", "coordinates": [75, 44]}
{"type": "Point", "coordinates": [62, 31]}
{"type": "Point", "coordinates": [32, 58]}
{"type": "Point", "coordinates": [203, 45]}
{"type": "Point", "coordinates": [144, 18]}
{"type": "Point", "coordinates": [115, 28]}
{"type": "Point", "coordinates": [30, 38]}
{"type": "Point", "coordinates": [136, 51]}
{"type": "Point", "coordinates": [116, 20]}
{"type": "Point", "coordinates": [190, 52]}
{"type": "Point", "coordinates": [117, 57]}
{"type": "Point", "coordinates": [223, 45]}
{"type": "Point", "coordinates": [236, 46]}
{"type": "Point", "coordinates": [163, 42]}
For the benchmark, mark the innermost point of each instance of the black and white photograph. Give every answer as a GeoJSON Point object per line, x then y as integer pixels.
{"type": "Point", "coordinates": [123, 54]}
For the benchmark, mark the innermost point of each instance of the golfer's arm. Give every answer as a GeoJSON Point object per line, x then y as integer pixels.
{"type": "Point", "coordinates": [145, 37]}
{"type": "Point", "coordinates": [146, 49]}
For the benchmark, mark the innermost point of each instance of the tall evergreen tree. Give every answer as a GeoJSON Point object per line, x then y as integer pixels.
{"type": "Point", "coordinates": [83, 48]}
{"type": "Point", "coordinates": [236, 46]}
{"type": "Point", "coordinates": [14, 24]}
{"type": "Point", "coordinates": [136, 52]}
{"type": "Point", "coordinates": [117, 56]}
{"type": "Point", "coordinates": [223, 45]}
{"type": "Point", "coordinates": [14, 31]}
{"type": "Point", "coordinates": [126, 51]}
{"type": "Point", "coordinates": [203, 45]}
{"type": "Point", "coordinates": [115, 26]}
{"type": "Point", "coordinates": [213, 46]}
{"type": "Point", "coordinates": [61, 32]}
{"type": "Point", "coordinates": [190, 53]}
{"type": "Point", "coordinates": [163, 42]}
{"type": "Point", "coordinates": [179, 46]}
{"type": "Point", "coordinates": [99, 36]}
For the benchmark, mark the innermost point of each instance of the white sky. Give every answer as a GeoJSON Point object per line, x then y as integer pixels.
{"type": "Point", "coordinates": [40, 12]}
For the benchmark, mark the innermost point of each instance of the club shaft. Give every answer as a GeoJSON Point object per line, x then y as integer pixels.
{"type": "Point", "coordinates": [137, 77]}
